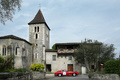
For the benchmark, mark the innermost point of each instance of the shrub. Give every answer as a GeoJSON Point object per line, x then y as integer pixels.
{"type": "Point", "coordinates": [21, 70]}
{"type": "Point", "coordinates": [6, 63]}
{"type": "Point", "coordinates": [112, 66]}
{"type": "Point", "coordinates": [37, 67]}
{"type": "Point", "coordinates": [1, 61]}
{"type": "Point", "coordinates": [92, 73]}
{"type": "Point", "coordinates": [16, 70]}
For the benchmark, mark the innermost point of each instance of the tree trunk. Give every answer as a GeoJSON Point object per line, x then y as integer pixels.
{"type": "Point", "coordinates": [87, 65]}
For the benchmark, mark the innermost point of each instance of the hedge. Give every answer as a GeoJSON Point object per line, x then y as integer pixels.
{"type": "Point", "coordinates": [112, 66]}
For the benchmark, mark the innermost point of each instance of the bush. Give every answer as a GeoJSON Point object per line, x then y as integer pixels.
{"type": "Point", "coordinates": [112, 66]}
{"type": "Point", "coordinates": [1, 61]}
{"type": "Point", "coordinates": [37, 67]}
{"type": "Point", "coordinates": [16, 70]}
{"type": "Point", "coordinates": [21, 70]}
{"type": "Point", "coordinates": [92, 73]}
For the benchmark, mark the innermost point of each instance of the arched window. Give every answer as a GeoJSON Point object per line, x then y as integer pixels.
{"type": "Point", "coordinates": [35, 29]}
{"type": "Point", "coordinates": [4, 50]}
{"type": "Point", "coordinates": [38, 29]}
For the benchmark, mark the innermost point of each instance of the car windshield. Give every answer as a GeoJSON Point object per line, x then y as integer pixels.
{"type": "Point", "coordinates": [64, 70]}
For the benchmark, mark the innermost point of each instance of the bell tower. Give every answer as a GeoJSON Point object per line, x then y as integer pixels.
{"type": "Point", "coordinates": [39, 37]}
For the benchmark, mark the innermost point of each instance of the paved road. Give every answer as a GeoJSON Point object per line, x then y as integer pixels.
{"type": "Point", "coordinates": [79, 77]}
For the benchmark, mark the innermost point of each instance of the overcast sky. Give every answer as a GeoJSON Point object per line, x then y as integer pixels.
{"type": "Point", "coordinates": [70, 20]}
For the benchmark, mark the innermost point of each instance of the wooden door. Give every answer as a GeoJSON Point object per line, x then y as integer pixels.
{"type": "Point", "coordinates": [70, 67]}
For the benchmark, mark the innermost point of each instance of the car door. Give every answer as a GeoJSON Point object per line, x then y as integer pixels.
{"type": "Point", "coordinates": [64, 73]}
{"type": "Point", "coordinates": [69, 73]}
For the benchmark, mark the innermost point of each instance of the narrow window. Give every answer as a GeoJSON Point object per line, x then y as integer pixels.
{"type": "Point", "coordinates": [54, 57]}
{"type": "Point", "coordinates": [35, 55]}
{"type": "Point", "coordinates": [35, 29]}
{"type": "Point", "coordinates": [36, 36]}
{"type": "Point", "coordinates": [38, 29]}
{"type": "Point", "coordinates": [70, 57]}
{"type": "Point", "coordinates": [23, 52]}
{"type": "Point", "coordinates": [16, 51]}
{"type": "Point", "coordinates": [4, 50]}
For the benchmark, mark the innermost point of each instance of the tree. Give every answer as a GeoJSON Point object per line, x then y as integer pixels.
{"type": "Point", "coordinates": [53, 47]}
{"type": "Point", "coordinates": [8, 8]}
{"type": "Point", "coordinates": [92, 53]}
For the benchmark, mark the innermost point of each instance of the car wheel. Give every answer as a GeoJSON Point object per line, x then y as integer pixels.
{"type": "Point", "coordinates": [59, 75]}
{"type": "Point", "coordinates": [74, 74]}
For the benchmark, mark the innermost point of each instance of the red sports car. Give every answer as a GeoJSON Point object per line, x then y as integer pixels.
{"type": "Point", "coordinates": [66, 73]}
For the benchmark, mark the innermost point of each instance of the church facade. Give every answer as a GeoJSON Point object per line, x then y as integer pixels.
{"type": "Point", "coordinates": [37, 50]}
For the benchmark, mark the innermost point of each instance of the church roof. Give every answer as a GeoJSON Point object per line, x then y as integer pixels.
{"type": "Point", "coordinates": [14, 37]}
{"type": "Point", "coordinates": [38, 19]}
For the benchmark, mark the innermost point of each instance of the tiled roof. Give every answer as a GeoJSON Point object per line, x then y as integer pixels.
{"type": "Point", "coordinates": [38, 19]}
{"type": "Point", "coordinates": [14, 37]}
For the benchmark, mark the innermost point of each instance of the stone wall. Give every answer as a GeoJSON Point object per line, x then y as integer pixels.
{"type": "Point", "coordinates": [105, 77]}
{"type": "Point", "coordinates": [38, 75]}
{"type": "Point", "coordinates": [22, 76]}
{"type": "Point", "coordinates": [42, 40]}
{"type": "Point", "coordinates": [61, 62]}
{"type": "Point", "coordinates": [15, 76]}
{"type": "Point", "coordinates": [23, 58]}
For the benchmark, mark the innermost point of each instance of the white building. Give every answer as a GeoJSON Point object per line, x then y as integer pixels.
{"type": "Point", "coordinates": [62, 58]}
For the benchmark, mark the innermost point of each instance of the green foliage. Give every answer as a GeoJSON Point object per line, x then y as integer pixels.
{"type": "Point", "coordinates": [92, 73]}
{"type": "Point", "coordinates": [93, 52]}
{"type": "Point", "coordinates": [5, 63]}
{"type": "Point", "coordinates": [1, 59]}
{"type": "Point", "coordinates": [21, 70]}
{"type": "Point", "coordinates": [106, 52]}
{"type": "Point", "coordinates": [54, 47]}
{"type": "Point", "coordinates": [16, 70]}
{"type": "Point", "coordinates": [8, 8]}
{"type": "Point", "coordinates": [8, 70]}
{"type": "Point", "coordinates": [41, 70]}
{"type": "Point", "coordinates": [112, 66]}
{"type": "Point", "coordinates": [37, 67]}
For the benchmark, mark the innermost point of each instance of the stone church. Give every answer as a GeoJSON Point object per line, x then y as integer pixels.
{"type": "Point", "coordinates": [37, 50]}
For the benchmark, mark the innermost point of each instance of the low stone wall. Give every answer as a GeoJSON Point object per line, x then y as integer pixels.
{"type": "Point", "coordinates": [22, 76]}
{"type": "Point", "coordinates": [105, 77]}
{"type": "Point", "coordinates": [15, 76]}
{"type": "Point", "coordinates": [38, 75]}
